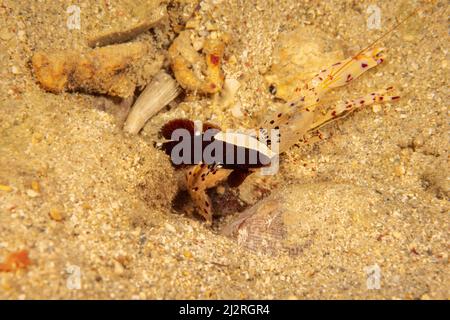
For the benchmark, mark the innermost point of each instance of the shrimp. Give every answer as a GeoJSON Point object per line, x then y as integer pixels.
{"type": "Point", "coordinates": [294, 121]}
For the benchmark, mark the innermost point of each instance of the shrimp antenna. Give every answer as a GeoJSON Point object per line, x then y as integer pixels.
{"type": "Point", "coordinates": [393, 28]}
{"type": "Point", "coordinates": [389, 32]}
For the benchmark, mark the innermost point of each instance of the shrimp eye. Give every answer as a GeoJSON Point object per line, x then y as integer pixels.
{"type": "Point", "coordinates": [273, 89]}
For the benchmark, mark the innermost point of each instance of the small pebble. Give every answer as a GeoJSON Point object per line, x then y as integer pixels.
{"type": "Point", "coordinates": [170, 227]}
{"type": "Point", "coordinates": [232, 60]}
{"type": "Point", "coordinates": [396, 235]}
{"type": "Point", "coordinates": [211, 26]}
{"type": "Point", "coordinates": [400, 170]}
{"type": "Point", "coordinates": [408, 37]}
{"type": "Point", "coordinates": [6, 285]}
{"type": "Point", "coordinates": [193, 24]}
{"type": "Point", "coordinates": [187, 254]}
{"type": "Point", "coordinates": [36, 138]}
{"type": "Point", "coordinates": [5, 188]}
{"type": "Point", "coordinates": [376, 108]}
{"type": "Point", "coordinates": [198, 43]}
{"type": "Point", "coordinates": [15, 70]}
{"type": "Point", "coordinates": [425, 297]}
{"type": "Point", "coordinates": [21, 35]}
{"type": "Point", "coordinates": [56, 215]}
{"type": "Point", "coordinates": [118, 268]}
{"type": "Point", "coordinates": [35, 186]}
{"type": "Point", "coordinates": [236, 111]}
{"type": "Point", "coordinates": [86, 206]}
{"type": "Point", "coordinates": [220, 190]}
{"type": "Point", "coordinates": [418, 141]}
{"type": "Point", "coordinates": [32, 193]}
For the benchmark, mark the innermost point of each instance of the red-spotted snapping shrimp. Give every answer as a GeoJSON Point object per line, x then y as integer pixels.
{"type": "Point", "coordinates": [293, 122]}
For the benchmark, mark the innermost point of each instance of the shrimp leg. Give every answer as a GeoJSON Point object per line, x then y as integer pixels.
{"type": "Point", "coordinates": [200, 178]}
{"type": "Point", "coordinates": [344, 108]}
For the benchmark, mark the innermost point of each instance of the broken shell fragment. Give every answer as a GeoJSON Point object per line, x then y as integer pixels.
{"type": "Point", "coordinates": [291, 220]}
{"type": "Point", "coordinates": [230, 88]}
{"type": "Point", "coordinates": [147, 19]}
{"type": "Point", "coordinates": [102, 70]}
{"type": "Point", "coordinates": [159, 93]}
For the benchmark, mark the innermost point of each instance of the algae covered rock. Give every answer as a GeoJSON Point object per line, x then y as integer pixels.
{"type": "Point", "coordinates": [103, 70]}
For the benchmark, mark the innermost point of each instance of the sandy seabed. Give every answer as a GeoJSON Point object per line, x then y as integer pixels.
{"type": "Point", "coordinates": [375, 193]}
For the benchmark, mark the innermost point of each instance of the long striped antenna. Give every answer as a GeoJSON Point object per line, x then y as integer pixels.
{"type": "Point", "coordinates": [327, 82]}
